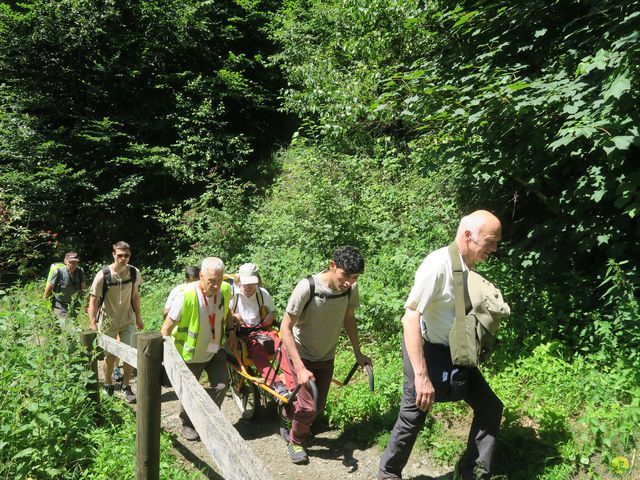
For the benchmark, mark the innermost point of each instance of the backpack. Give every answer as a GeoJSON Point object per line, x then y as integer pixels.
{"type": "Point", "coordinates": [107, 281]}
{"type": "Point", "coordinates": [479, 308]}
{"type": "Point", "coordinates": [53, 269]}
{"type": "Point", "coordinates": [313, 293]}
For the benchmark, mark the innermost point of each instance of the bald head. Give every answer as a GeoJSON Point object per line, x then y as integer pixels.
{"type": "Point", "coordinates": [478, 236]}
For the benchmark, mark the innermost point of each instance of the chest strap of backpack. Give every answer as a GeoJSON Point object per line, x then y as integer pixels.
{"type": "Point", "coordinates": [107, 281]}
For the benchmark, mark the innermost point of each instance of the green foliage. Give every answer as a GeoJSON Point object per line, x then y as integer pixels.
{"type": "Point", "coordinates": [218, 223]}
{"type": "Point", "coordinates": [21, 245]}
{"type": "Point", "coordinates": [49, 378]}
{"type": "Point", "coordinates": [321, 201]}
{"type": "Point", "coordinates": [114, 448]}
{"type": "Point", "coordinates": [568, 413]}
{"type": "Point", "coordinates": [113, 111]}
{"type": "Point", "coordinates": [153, 294]}
{"type": "Point", "coordinates": [531, 104]}
{"type": "Point", "coordinates": [50, 433]}
{"type": "Point", "coordinates": [359, 413]}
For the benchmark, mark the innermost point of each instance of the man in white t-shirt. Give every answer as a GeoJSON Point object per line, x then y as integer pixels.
{"type": "Point", "coordinates": [191, 274]}
{"type": "Point", "coordinates": [428, 370]}
{"type": "Point", "coordinates": [253, 313]}
{"type": "Point", "coordinates": [199, 321]}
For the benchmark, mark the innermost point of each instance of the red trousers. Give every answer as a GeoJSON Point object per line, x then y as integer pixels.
{"type": "Point", "coordinates": [260, 357]}
{"type": "Point", "coordinates": [302, 412]}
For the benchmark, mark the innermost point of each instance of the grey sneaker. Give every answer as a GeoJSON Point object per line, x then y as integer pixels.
{"type": "Point", "coordinates": [189, 433]}
{"type": "Point", "coordinates": [391, 477]}
{"type": "Point", "coordinates": [280, 388]}
{"type": "Point", "coordinates": [108, 389]}
{"type": "Point", "coordinates": [297, 454]}
{"type": "Point", "coordinates": [117, 376]}
{"type": "Point", "coordinates": [128, 394]}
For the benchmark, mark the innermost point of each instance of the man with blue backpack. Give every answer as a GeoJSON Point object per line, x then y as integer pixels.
{"type": "Point", "coordinates": [65, 280]}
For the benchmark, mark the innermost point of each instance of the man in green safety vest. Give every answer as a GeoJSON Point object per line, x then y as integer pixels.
{"type": "Point", "coordinates": [199, 320]}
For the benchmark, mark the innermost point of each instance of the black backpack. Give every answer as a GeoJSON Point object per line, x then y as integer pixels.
{"type": "Point", "coordinates": [313, 293]}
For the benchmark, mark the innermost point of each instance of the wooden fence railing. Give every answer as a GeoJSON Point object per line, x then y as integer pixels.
{"type": "Point", "coordinates": [225, 445]}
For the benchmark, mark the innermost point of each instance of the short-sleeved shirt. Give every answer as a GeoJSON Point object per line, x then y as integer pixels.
{"type": "Point", "coordinates": [432, 295]}
{"type": "Point", "coordinates": [319, 325]}
{"type": "Point", "coordinates": [65, 285]}
{"type": "Point", "coordinates": [248, 307]}
{"type": "Point", "coordinates": [206, 347]}
{"type": "Point", "coordinates": [173, 294]}
{"type": "Point", "coordinates": [116, 311]}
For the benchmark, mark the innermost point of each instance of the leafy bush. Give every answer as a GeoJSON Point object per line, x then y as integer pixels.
{"type": "Point", "coordinates": [321, 201]}
{"type": "Point", "coordinates": [571, 413]}
{"type": "Point", "coordinates": [51, 432]}
{"type": "Point", "coordinates": [42, 435]}
{"type": "Point", "coordinates": [114, 448]}
{"type": "Point", "coordinates": [530, 105]}
{"type": "Point", "coordinates": [111, 113]}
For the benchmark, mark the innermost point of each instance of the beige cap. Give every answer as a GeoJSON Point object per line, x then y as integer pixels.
{"type": "Point", "coordinates": [248, 273]}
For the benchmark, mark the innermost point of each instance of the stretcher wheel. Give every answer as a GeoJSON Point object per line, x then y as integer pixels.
{"type": "Point", "coordinates": [246, 395]}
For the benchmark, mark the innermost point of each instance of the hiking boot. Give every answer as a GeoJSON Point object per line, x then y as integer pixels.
{"type": "Point", "coordinates": [108, 389]}
{"type": "Point", "coordinates": [297, 454]}
{"type": "Point", "coordinates": [189, 433]}
{"type": "Point", "coordinates": [128, 394]}
{"type": "Point", "coordinates": [117, 376]}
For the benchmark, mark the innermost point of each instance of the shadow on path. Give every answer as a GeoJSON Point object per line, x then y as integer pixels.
{"type": "Point", "coordinates": [195, 460]}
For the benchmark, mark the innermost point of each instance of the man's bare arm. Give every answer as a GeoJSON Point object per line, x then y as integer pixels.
{"type": "Point", "coordinates": [286, 330]}
{"type": "Point", "coordinates": [351, 329]}
{"type": "Point", "coordinates": [425, 393]}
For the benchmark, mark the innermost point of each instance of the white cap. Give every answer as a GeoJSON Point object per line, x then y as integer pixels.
{"type": "Point", "coordinates": [248, 273]}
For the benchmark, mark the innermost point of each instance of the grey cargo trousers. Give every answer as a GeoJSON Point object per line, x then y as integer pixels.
{"type": "Point", "coordinates": [487, 412]}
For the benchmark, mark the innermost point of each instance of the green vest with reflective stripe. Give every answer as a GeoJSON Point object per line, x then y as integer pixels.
{"type": "Point", "coordinates": [185, 334]}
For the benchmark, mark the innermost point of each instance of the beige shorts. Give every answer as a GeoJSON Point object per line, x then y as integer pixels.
{"type": "Point", "coordinates": [124, 334]}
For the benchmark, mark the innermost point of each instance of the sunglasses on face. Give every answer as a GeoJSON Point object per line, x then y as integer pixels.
{"type": "Point", "coordinates": [122, 255]}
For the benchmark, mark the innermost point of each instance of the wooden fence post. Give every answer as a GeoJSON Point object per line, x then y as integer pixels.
{"type": "Point", "coordinates": [148, 405]}
{"type": "Point", "coordinates": [87, 337]}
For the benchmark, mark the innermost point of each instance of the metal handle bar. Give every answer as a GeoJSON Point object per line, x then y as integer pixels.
{"type": "Point", "coordinates": [353, 370]}
{"type": "Point", "coordinates": [314, 393]}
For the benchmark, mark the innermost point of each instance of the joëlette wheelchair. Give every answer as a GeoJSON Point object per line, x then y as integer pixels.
{"type": "Point", "coordinates": [248, 388]}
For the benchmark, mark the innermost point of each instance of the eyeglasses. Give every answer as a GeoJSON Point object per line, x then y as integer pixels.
{"type": "Point", "coordinates": [123, 255]}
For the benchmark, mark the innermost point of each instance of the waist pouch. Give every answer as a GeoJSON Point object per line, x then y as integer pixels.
{"type": "Point", "coordinates": [451, 382]}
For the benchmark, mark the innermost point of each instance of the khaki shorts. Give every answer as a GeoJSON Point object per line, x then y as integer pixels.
{"type": "Point", "coordinates": [125, 333]}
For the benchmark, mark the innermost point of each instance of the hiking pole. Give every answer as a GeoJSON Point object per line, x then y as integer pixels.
{"type": "Point", "coordinates": [352, 371]}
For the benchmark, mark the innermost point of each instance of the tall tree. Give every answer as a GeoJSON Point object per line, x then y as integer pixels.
{"type": "Point", "coordinates": [116, 109]}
